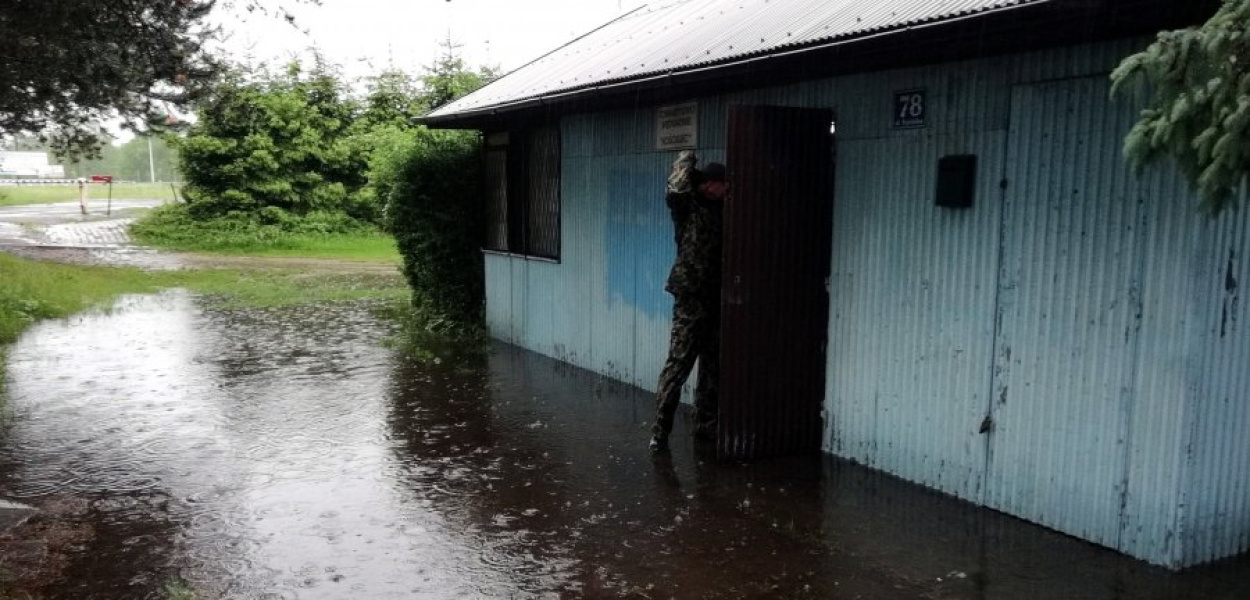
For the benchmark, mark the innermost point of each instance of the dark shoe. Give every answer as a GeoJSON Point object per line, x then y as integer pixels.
{"type": "Point", "coordinates": [659, 443]}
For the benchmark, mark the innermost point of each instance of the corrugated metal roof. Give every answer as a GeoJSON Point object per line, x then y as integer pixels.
{"type": "Point", "coordinates": [688, 34]}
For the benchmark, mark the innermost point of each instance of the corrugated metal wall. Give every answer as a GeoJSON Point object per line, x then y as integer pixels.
{"type": "Point", "coordinates": [1094, 317]}
{"type": "Point", "coordinates": [1072, 293]}
{"type": "Point", "coordinates": [603, 307]}
{"type": "Point", "coordinates": [1216, 493]}
{"type": "Point", "coordinates": [912, 284]}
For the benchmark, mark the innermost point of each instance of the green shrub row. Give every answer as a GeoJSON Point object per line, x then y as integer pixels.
{"type": "Point", "coordinates": [432, 187]}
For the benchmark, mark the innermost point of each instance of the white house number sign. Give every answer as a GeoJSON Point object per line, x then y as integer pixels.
{"type": "Point", "coordinates": [910, 109]}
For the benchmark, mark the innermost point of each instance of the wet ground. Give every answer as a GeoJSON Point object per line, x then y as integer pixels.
{"type": "Point", "coordinates": [287, 453]}
{"type": "Point", "coordinates": [174, 446]}
{"type": "Point", "coordinates": [61, 232]}
{"type": "Point", "coordinates": [64, 222]}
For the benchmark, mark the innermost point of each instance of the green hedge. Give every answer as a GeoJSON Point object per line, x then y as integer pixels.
{"type": "Point", "coordinates": [432, 186]}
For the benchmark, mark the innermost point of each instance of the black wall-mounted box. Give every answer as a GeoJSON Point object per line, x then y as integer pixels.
{"type": "Point", "coordinates": [957, 180]}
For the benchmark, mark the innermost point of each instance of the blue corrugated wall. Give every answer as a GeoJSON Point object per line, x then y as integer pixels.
{"type": "Point", "coordinates": [1093, 316]}
{"type": "Point", "coordinates": [603, 306]}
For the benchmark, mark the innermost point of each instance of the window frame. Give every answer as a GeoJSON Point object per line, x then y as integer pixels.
{"type": "Point", "coordinates": [514, 194]}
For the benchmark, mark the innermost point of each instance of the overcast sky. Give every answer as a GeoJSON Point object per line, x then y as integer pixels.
{"type": "Point", "coordinates": [366, 35]}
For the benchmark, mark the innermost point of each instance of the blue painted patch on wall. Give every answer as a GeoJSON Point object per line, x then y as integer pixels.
{"type": "Point", "coordinates": [639, 232]}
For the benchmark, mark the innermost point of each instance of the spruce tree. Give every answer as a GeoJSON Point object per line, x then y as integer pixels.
{"type": "Point", "coordinates": [1197, 82]}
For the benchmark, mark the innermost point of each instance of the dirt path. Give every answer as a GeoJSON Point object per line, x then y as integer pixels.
{"type": "Point", "coordinates": [326, 265]}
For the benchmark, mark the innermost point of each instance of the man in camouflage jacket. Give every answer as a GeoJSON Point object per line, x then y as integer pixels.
{"type": "Point", "coordinates": [695, 199]}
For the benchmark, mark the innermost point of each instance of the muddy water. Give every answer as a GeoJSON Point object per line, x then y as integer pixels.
{"type": "Point", "coordinates": [288, 453]}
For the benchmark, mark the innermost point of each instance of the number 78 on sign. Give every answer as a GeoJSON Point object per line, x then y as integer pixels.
{"type": "Point", "coordinates": [909, 109]}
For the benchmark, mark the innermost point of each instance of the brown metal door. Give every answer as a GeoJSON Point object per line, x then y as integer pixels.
{"type": "Point", "coordinates": [778, 234]}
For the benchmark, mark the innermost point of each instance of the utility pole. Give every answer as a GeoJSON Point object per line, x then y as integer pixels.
{"type": "Point", "coordinates": [151, 163]}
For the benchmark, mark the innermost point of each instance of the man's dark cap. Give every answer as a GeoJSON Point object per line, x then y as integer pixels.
{"type": "Point", "coordinates": [714, 172]}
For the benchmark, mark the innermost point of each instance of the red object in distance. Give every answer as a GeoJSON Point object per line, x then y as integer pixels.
{"type": "Point", "coordinates": [102, 179]}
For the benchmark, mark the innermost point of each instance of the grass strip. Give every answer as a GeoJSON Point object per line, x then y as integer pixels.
{"type": "Point", "coordinates": [359, 247]}
{"type": "Point", "coordinates": [16, 195]}
{"type": "Point", "coordinates": [172, 227]}
{"type": "Point", "coordinates": [35, 290]}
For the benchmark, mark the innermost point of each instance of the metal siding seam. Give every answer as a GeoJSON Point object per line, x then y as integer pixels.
{"type": "Point", "coordinates": [841, 410]}
{"type": "Point", "coordinates": [1158, 439]}
{"type": "Point", "coordinates": [578, 253]}
{"type": "Point", "coordinates": [1131, 398]}
{"type": "Point", "coordinates": [633, 378]}
{"type": "Point", "coordinates": [577, 219]}
{"type": "Point", "coordinates": [1198, 409]}
{"type": "Point", "coordinates": [1218, 523]}
{"type": "Point", "coordinates": [1237, 538]}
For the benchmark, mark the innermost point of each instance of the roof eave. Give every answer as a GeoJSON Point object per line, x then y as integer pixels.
{"type": "Point", "coordinates": [879, 47]}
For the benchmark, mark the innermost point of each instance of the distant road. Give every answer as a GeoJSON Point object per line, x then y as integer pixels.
{"type": "Point", "coordinates": [69, 212]}
{"type": "Point", "coordinates": [63, 224]}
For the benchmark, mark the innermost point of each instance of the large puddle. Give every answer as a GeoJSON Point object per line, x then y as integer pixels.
{"type": "Point", "coordinates": [288, 453]}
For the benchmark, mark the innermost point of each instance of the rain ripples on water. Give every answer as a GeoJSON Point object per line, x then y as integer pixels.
{"type": "Point", "coordinates": [290, 454]}
{"type": "Point", "coordinates": [253, 452]}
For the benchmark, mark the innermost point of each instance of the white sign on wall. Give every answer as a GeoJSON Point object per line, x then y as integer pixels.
{"type": "Point", "coordinates": [677, 126]}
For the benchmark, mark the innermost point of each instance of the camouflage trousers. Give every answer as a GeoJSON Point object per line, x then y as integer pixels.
{"type": "Point", "coordinates": [696, 336]}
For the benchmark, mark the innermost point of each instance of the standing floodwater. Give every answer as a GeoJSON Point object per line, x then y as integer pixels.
{"type": "Point", "coordinates": [288, 453]}
{"type": "Point", "coordinates": [264, 453]}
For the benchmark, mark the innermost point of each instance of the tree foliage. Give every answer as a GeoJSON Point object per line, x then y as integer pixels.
{"type": "Point", "coordinates": [430, 181]}
{"type": "Point", "coordinates": [278, 148]}
{"type": "Point", "coordinates": [68, 64]}
{"type": "Point", "coordinates": [1198, 113]}
{"type": "Point", "coordinates": [276, 141]}
{"type": "Point", "coordinates": [448, 78]}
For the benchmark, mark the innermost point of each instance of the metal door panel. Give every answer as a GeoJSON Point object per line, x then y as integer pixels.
{"type": "Point", "coordinates": [775, 306]}
{"type": "Point", "coordinates": [1069, 313]}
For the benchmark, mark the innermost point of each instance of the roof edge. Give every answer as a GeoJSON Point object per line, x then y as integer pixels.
{"type": "Point", "coordinates": [1057, 23]}
{"type": "Point", "coordinates": [610, 86]}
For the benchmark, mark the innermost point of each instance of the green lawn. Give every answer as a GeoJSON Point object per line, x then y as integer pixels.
{"type": "Point", "coordinates": [35, 290]}
{"type": "Point", "coordinates": [361, 247]}
{"type": "Point", "coordinates": [14, 195]}
{"type": "Point", "coordinates": [171, 227]}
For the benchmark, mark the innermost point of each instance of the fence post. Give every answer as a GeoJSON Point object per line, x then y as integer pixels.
{"type": "Point", "coordinates": [82, 196]}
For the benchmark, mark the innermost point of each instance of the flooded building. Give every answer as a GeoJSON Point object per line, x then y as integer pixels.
{"type": "Point", "coordinates": [938, 263]}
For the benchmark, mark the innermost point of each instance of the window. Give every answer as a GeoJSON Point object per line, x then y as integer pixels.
{"type": "Point", "coordinates": [522, 170]}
